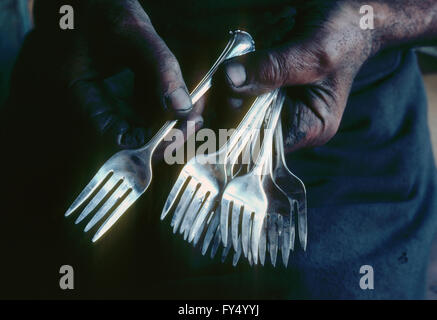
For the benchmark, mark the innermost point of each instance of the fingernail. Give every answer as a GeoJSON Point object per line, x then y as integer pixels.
{"type": "Point", "coordinates": [178, 100]}
{"type": "Point", "coordinates": [236, 73]}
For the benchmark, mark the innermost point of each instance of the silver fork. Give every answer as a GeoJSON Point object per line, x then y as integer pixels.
{"type": "Point", "coordinates": [214, 234]}
{"type": "Point", "coordinates": [278, 231]}
{"type": "Point", "coordinates": [242, 136]}
{"type": "Point", "coordinates": [278, 220]}
{"type": "Point", "coordinates": [245, 196]}
{"type": "Point", "coordinates": [204, 176]}
{"type": "Point", "coordinates": [277, 227]}
{"type": "Point", "coordinates": [212, 225]}
{"type": "Point", "coordinates": [128, 173]}
{"type": "Point", "coordinates": [293, 187]}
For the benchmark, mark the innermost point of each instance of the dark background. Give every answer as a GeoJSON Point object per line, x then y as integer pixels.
{"type": "Point", "coordinates": [35, 237]}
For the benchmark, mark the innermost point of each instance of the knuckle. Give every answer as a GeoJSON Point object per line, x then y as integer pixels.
{"type": "Point", "coordinates": [319, 123]}
{"type": "Point", "coordinates": [327, 57]}
{"type": "Point", "coordinates": [317, 58]}
{"type": "Point", "coordinates": [274, 69]}
{"type": "Point", "coordinates": [327, 50]}
{"type": "Point", "coordinates": [328, 106]}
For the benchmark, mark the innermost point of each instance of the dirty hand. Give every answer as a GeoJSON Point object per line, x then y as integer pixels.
{"type": "Point", "coordinates": [321, 57]}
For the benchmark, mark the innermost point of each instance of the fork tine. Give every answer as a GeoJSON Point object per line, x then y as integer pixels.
{"type": "Point", "coordinates": [92, 186]}
{"type": "Point", "coordinates": [273, 238]}
{"type": "Point", "coordinates": [216, 242]}
{"type": "Point", "coordinates": [97, 199]}
{"type": "Point", "coordinates": [285, 243]}
{"type": "Point", "coordinates": [293, 226]}
{"type": "Point", "coordinates": [199, 222]}
{"type": "Point", "coordinates": [186, 198]}
{"type": "Point", "coordinates": [262, 242]}
{"type": "Point", "coordinates": [256, 233]}
{"type": "Point", "coordinates": [235, 228]}
{"type": "Point", "coordinates": [116, 214]}
{"type": "Point", "coordinates": [245, 230]}
{"type": "Point", "coordinates": [302, 223]}
{"type": "Point", "coordinates": [249, 257]}
{"type": "Point", "coordinates": [192, 211]}
{"type": "Point", "coordinates": [203, 227]}
{"type": "Point", "coordinates": [103, 210]}
{"type": "Point", "coordinates": [224, 219]}
{"type": "Point", "coordinates": [177, 187]}
{"type": "Point", "coordinates": [213, 217]}
{"type": "Point", "coordinates": [237, 253]}
{"type": "Point", "coordinates": [279, 228]}
{"type": "Point", "coordinates": [210, 233]}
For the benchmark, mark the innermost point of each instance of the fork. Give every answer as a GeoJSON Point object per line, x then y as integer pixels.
{"type": "Point", "coordinates": [278, 225]}
{"type": "Point", "coordinates": [278, 230]}
{"type": "Point", "coordinates": [276, 200]}
{"type": "Point", "coordinates": [275, 232]}
{"type": "Point", "coordinates": [212, 225]}
{"type": "Point", "coordinates": [293, 187]}
{"type": "Point", "coordinates": [245, 196]}
{"type": "Point", "coordinates": [128, 173]}
{"type": "Point", "coordinates": [201, 180]}
{"type": "Point", "coordinates": [213, 230]}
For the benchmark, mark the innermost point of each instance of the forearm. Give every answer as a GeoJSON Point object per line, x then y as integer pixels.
{"type": "Point", "coordinates": [403, 23]}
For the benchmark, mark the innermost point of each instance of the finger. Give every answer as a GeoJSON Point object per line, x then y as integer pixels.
{"type": "Point", "coordinates": [99, 106]}
{"type": "Point", "coordinates": [264, 71]}
{"type": "Point", "coordinates": [149, 52]}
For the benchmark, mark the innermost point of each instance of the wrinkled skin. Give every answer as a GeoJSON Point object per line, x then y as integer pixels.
{"type": "Point", "coordinates": [317, 64]}
{"type": "Point", "coordinates": [320, 62]}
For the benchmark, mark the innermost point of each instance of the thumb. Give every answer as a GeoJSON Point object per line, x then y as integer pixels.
{"type": "Point", "coordinates": [264, 71]}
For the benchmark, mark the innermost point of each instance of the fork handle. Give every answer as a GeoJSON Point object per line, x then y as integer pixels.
{"type": "Point", "coordinates": [240, 43]}
{"type": "Point", "coordinates": [241, 135]}
{"type": "Point", "coordinates": [267, 144]}
{"type": "Point", "coordinates": [159, 136]}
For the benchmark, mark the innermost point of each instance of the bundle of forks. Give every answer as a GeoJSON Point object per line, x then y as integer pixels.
{"type": "Point", "coordinates": [248, 206]}
{"type": "Point", "coordinates": [241, 196]}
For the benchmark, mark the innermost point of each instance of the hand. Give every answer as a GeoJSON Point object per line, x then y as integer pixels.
{"type": "Point", "coordinates": [317, 67]}
{"type": "Point", "coordinates": [110, 36]}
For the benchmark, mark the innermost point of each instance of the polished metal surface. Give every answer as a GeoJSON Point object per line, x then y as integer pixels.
{"type": "Point", "coordinates": [284, 201]}
{"type": "Point", "coordinates": [203, 178]}
{"type": "Point", "coordinates": [212, 225]}
{"type": "Point", "coordinates": [245, 198]}
{"type": "Point", "coordinates": [128, 173]}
